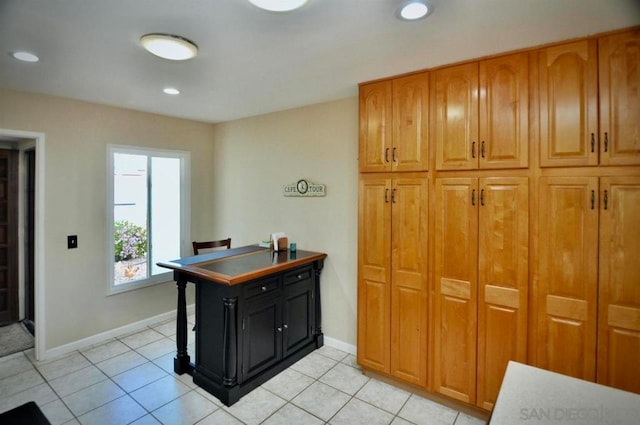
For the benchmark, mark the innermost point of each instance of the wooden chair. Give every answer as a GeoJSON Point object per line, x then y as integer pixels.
{"type": "Point", "coordinates": [211, 244]}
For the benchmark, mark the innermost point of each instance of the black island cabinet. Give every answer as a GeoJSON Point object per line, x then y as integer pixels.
{"type": "Point", "coordinates": [257, 313]}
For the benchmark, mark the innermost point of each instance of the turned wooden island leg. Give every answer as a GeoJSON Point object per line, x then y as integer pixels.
{"type": "Point", "coordinates": [181, 363]}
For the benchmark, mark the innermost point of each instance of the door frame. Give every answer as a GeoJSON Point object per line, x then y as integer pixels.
{"type": "Point", "coordinates": [26, 139]}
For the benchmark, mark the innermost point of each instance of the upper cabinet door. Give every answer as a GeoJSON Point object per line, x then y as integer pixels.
{"type": "Point", "coordinates": [620, 99]}
{"type": "Point", "coordinates": [568, 105]}
{"type": "Point", "coordinates": [375, 127]}
{"type": "Point", "coordinates": [504, 112]}
{"type": "Point", "coordinates": [410, 150]}
{"type": "Point", "coordinates": [456, 117]}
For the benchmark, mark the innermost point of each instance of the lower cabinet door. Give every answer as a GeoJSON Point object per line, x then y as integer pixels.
{"type": "Point", "coordinates": [618, 359]}
{"type": "Point", "coordinates": [262, 334]}
{"type": "Point", "coordinates": [456, 288]}
{"type": "Point", "coordinates": [567, 291]}
{"type": "Point", "coordinates": [299, 312]}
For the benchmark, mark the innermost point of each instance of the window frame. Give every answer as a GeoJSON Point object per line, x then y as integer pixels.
{"type": "Point", "coordinates": [185, 213]}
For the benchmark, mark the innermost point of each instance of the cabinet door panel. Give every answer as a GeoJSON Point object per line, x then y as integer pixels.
{"type": "Point", "coordinates": [410, 150]}
{"type": "Point", "coordinates": [262, 340]}
{"type": "Point", "coordinates": [620, 98]}
{"type": "Point", "coordinates": [298, 315]}
{"type": "Point", "coordinates": [504, 112]}
{"type": "Point", "coordinates": [503, 281]}
{"type": "Point", "coordinates": [409, 280]}
{"type": "Point", "coordinates": [456, 111]}
{"type": "Point", "coordinates": [374, 274]}
{"type": "Point", "coordinates": [568, 104]}
{"type": "Point", "coordinates": [567, 288]}
{"type": "Point", "coordinates": [374, 229]}
{"type": "Point", "coordinates": [619, 302]}
{"type": "Point", "coordinates": [456, 262]}
{"type": "Point", "coordinates": [375, 126]}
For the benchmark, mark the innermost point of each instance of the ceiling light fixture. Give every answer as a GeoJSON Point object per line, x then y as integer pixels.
{"type": "Point", "coordinates": [25, 56]}
{"type": "Point", "coordinates": [278, 5]}
{"type": "Point", "coordinates": [414, 10]}
{"type": "Point", "coordinates": [168, 46]}
{"type": "Point", "coordinates": [171, 90]}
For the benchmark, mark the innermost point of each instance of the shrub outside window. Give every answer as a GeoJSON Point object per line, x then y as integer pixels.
{"type": "Point", "coordinates": [148, 214]}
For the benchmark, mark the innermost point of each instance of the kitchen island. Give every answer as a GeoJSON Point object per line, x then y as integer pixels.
{"type": "Point", "coordinates": [257, 312]}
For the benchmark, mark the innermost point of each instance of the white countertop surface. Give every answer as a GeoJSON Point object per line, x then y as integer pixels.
{"type": "Point", "coordinates": [533, 396]}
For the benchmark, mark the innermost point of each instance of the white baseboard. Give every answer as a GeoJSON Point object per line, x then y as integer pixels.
{"type": "Point", "coordinates": [340, 345]}
{"type": "Point", "coordinates": [83, 343]}
{"type": "Point", "coordinates": [97, 339]}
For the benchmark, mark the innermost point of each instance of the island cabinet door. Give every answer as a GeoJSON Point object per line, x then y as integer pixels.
{"type": "Point", "coordinates": [261, 328]}
{"type": "Point", "coordinates": [299, 310]}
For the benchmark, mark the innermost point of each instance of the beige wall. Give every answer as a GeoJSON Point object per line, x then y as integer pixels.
{"type": "Point", "coordinates": [237, 173]}
{"type": "Point", "coordinates": [255, 157]}
{"type": "Point", "coordinates": [77, 134]}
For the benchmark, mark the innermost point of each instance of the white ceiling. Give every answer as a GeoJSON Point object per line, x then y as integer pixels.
{"type": "Point", "coordinates": [253, 62]}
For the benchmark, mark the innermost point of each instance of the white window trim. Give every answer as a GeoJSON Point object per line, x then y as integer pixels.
{"type": "Point", "coordinates": [185, 213]}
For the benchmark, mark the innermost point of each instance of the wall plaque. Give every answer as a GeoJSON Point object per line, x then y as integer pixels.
{"type": "Point", "coordinates": [304, 188]}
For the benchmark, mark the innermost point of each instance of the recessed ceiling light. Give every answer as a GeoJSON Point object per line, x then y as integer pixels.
{"type": "Point", "coordinates": [169, 46]}
{"type": "Point", "coordinates": [25, 56]}
{"type": "Point", "coordinates": [415, 10]}
{"type": "Point", "coordinates": [278, 5]}
{"type": "Point", "coordinates": [171, 90]}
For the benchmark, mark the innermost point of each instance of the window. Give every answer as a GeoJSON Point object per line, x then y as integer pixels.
{"type": "Point", "coordinates": [148, 214]}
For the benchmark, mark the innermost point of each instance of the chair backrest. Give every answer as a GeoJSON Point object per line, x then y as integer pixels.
{"type": "Point", "coordinates": [211, 244]}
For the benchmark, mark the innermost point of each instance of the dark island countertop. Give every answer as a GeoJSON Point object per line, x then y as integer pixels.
{"type": "Point", "coordinates": [237, 265]}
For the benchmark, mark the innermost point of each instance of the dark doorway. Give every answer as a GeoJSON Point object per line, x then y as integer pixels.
{"type": "Point", "coordinates": [8, 236]}
{"type": "Point", "coordinates": [29, 240]}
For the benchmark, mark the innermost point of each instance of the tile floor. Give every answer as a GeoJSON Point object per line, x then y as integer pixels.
{"type": "Point", "coordinates": [130, 380]}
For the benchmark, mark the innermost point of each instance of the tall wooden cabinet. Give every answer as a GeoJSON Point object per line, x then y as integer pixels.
{"type": "Point", "coordinates": [481, 269]}
{"type": "Point", "coordinates": [392, 287]}
{"type": "Point", "coordinates": [533, 215]}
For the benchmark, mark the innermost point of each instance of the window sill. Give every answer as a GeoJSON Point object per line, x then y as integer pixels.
{"type": "Point", "coordinates": [139, 284]}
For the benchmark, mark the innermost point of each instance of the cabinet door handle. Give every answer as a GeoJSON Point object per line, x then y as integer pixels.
{"type": "Point", "coordinates": [473, 149]}
{"type": "Point", "coordinates": [285, 326]}
{"type": "Point", "coordinates": [482, 149]}
{"type": "Point", "coordinates": [299, 277]}
{"type": "Point", "coordinates": [386, 155]}
{"type": "Point", "coordinates": [264, 288]}
{"type": "Point", "coordinates": [593, 199]}
{"type": "Point", "coordinates": [473, 197]}
{"type": "Point", "coordinates": [279, 329]}
{"type": "Point", "coordinates": [393, 196]}
{"type": "Point", "coordinates": [482, 197]}
{"type": "Point", "coordinates": [593, 142]}
{"type": "Point", "coordinates": [606, 200]}
{"type": "Point", "coordinates": [386, 196]}
{"type": "Point", "coordinates": [393, 155]}
{"type": "Point", "coordinates": [606, 141]}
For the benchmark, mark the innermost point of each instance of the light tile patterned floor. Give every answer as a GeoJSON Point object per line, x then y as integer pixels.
{"type": "Point", "coordinates": [130, 380]}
